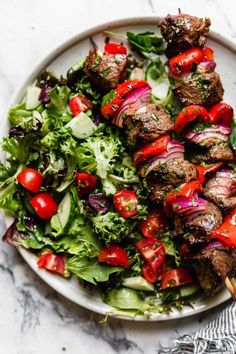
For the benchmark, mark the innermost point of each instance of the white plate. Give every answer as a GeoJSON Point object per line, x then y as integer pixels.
{"type": "Point", "coordinates": [62, 58]}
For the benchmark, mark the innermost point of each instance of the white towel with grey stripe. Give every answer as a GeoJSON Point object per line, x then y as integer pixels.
{"type": "Point", "coordinates": [217, 337]}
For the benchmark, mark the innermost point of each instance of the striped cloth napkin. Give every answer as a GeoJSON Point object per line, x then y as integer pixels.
{"type": "Point", "coordinates": [217, 337]}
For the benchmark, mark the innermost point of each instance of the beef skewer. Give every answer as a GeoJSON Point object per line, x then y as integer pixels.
{"type": "Point", "coordinates": [151, 121]}
{"type": "Point", "coordinates": [182, 32]}
{"type": "Point", "coordinates": [106, 71]}
{"type": "Point", "coordinates": [214, 266]}
{"type": "Point", "coordinates": [204, 88]}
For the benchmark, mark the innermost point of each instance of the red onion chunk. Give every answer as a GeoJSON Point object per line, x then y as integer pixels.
{"type": "Point", "coordinates": [219, 132]}
{"type": "Point", "coordinates": [223, 184]}
{"type": "Point", "coordinates": [213, 245]}
{"type": "Point", "coordinates": [206, 67]}
{"type": "Point", "coordinates": [175, 150]}
{"type": "Point", "coordinates": [187, 206]}
{"type": "Point", "coordinates": [135, 100]}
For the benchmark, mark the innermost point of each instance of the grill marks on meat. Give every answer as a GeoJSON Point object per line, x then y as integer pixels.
{"type": "Point", "coordinates": [212, 266]}
{"type": "Point", "coordinates": [165, 177]}
{"type": "Point", "coordinates": [106, 71]}
{"type": "Point", "coordinates": [201, 226]}
{"type": "Point", "coordinates": [175, 171]}
{"type": "Point", "coordinates": [221, 190]}
{"type": "Point", "coordinates": [216, 153]}
{"type": "Point", "coordinates": [220, 152]}
{"type": "Point", "coordinates": [158, 190]}
{"type": "Point", "coordinates": [202, 89]}
{"type": "Point", "coordinates": [183, 31]}
{"type": "Point", "coordinates": [149, 122]}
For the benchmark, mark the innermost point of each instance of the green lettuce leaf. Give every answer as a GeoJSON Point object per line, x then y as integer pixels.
{"type": "Point", "coordinates": [9, 196]}
{"type": "Point", "coordinates": [19, 116]}
{"type": "Point", "coordinates": [90, 270]}
{"type": "Point", "coordinates": [18, 148]}
{"type": "Point", "coordinates": [111, 227]}
{"type": "Point", "coordinates": [124, 298]}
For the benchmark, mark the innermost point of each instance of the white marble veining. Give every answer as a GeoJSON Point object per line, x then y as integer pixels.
{"type": "Point", "coordinates": [33, 318]}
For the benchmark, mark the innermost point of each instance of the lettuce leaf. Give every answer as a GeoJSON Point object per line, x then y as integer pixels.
{"type": "Point", "coordinates": [90, 270]}
{"type": "Point", "coordinates": [125, 299]}
{"type": "Point", "coordinates": [111, 227]}
{"type": "Point", "coordinates": [9, 195]}
{"type": "Point", "coordinates": [18, 148]}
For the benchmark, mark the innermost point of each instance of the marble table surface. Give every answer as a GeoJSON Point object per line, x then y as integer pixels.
{"type": "Point", "coordinates": [33, 318]}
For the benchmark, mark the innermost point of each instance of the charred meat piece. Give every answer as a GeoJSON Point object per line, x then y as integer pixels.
{"type": "Point", "coordinates": [106, 71]}
{"type": "Point", "coordinates": [202, 89]}
{"type": "Point", "coordinates": [163, 178]}
{"type": "Point", "coordinates": [183, 31]}
{"type": "Point", "coordinates": [220, 152]}
{"type": "Point", "coordinates": [216, 153]}
{"type": "Point", "coordinates": [148, 123]}
{"type": "Point", "coordinates": [158, 190]}
{"type": "Point", "coordinates": [174, 172]}
{"type": "Point", "coordinates": [199, 227]}
{"type": "Point", "coordinates": [212, 265]}
{"type": "Point", "coordinates": [221, 189]}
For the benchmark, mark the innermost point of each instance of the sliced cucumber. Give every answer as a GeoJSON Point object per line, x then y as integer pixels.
{"type": "Point", "coordinates": [81, 126]}
{"type": "Point", "coordinates": [65, 209]}
{"type": "Point", "coordinates": [32, 97]}
{"type": "Point", "coordinates": [161, 90]}
{"type": "Point", "coordinates": [188, 290]}
{"type": "Point", "coordinates": [138, 283]}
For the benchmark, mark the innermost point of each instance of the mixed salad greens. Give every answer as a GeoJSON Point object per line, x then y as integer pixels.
{"type": "Point", "coordinates": [78, 202]}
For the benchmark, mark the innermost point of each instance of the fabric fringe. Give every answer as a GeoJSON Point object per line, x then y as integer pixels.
{"type": "Point", "coordinates": [217, 337]}
{"type": "Point", "coordinates": [187, 345]}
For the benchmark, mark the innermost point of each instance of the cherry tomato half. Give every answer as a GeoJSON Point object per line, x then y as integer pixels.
{"type": "Point", "coordinates": [152, 275]}
{"type": "Point", "coordinates": [44, 205]}
{"type": "Point", "coordinates": [156, 147]}
{"type": "Point", "coordinates": [183, 63]}
{"type": "Point", "coordinates": [153, 251]}
{"type": "Point", "coordinates": [221, 112]}
{"type": "Point", "coordinates": [114, 255]}
{"type": "Point", "coordinates": [153, 223]}
{"type": "Point", "coordinates": [190, 113]}
{"type": "Point", "coordinates": [114, 48]}
{"type": "Point", "coordinates": [31, 179]}
{"type": "Point", "coordinates": [149, 274]}
{"type": "Point", "coordinates": [125, 203]}
{"type": "Point", "coordinates": [52, 262]}
{"type": "Point", "coordinates": [86, 182]}
{"type": "Point", "coordinates": [175, 277]}
{"type": "Point", "coordinates": [79, 104]}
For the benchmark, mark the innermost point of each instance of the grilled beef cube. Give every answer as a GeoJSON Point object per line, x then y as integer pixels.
{"type": "Point", "coordinates": [183, 31]}
{"type": "Point", "coordinates": [221, 190]}
{"type": "Point", "coordinates": [216, 153]}
{"type": "Point", "coordinates": [174, 172]}
{"type": "Point", "coordinates": [164, 177]}
{"type": "Point", "coordinates": [149, 122]}
{"type": "Point", "coordinates": [220, 152]}
{"type": "Point", "coordinates": [200, 226]}
{"type": "Point", "coordinates": [202, 89]}
{"type": "Point", "coordinates": [158, 190]}
{"type": "Point", "coordinates": [106, 71]}
{"type": "Point", "coordinates": [212, 265]}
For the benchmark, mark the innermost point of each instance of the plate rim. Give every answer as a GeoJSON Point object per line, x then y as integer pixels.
{"type": "Point", "coordinates": [42, 63]}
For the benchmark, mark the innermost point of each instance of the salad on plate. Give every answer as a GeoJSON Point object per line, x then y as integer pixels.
{"type": "Point", "coordinates": [122, 173]}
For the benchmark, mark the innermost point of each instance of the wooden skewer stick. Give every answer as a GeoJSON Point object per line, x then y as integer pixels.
{"type": "Point", "coordinates": [231, 286]}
